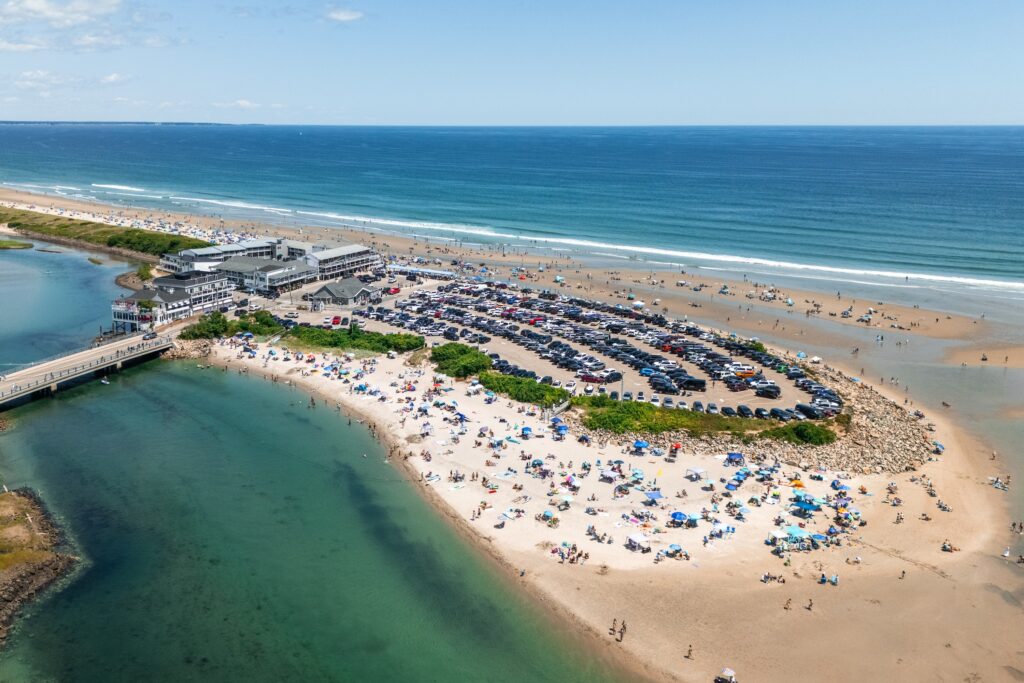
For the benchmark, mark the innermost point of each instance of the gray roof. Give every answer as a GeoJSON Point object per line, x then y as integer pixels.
{"type": "Point", "coordinates": [186, 278]}
{"type": "Point", "coordinates": [346, 250]}
{"type": "Point", "coordinates": [157, 295]}
{"type": "Point", "coordinates": [343, 289]}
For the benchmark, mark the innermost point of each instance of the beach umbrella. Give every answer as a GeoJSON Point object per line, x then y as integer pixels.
{"type": "Point", "coordinates": [801, 354]}
{"type": "Point", "coordinates": [654, 495]}
{"type": "Point", "coordinates": [693, 518]}
{"type": "Point", "coordinates": [638, 444]}
{"type": "Point", "coordinates": [556, 420]}
{"type": "Point", "coordinates": [675, 548]}
{"type": "Point", "coordinates": [537, 462]}
{"type": "Point", "coordinates": [819, 537]}
{"type": "Point", "coordinates": [678, 516]}
{"type": "Point", "coordinates": [562, 429]}
{"type": "Point", "coordinates": [549, 513]}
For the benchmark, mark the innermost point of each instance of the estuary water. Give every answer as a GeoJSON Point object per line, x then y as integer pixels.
{"type": "Point", "coordinates": [54, 301]}
{"type": "Point", "coordinates": [231, 533]}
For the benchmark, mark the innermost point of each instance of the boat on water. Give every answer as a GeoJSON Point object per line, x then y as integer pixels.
{"type": "Point", "coordinates": [104, 380]}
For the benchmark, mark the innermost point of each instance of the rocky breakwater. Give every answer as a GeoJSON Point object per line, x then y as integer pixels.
{"type": "Point", "coordinates": [875, 435]}
{"type": "Point", "coordinates": [32, 553]}
{"type": "Point", "coordinates": [184, 349]}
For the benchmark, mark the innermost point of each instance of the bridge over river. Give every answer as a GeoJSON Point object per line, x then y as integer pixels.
{"type": "Point", "coordinates": [46, 377]}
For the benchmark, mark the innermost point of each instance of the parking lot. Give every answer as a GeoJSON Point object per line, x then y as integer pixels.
{"type": "Point", "coordinates": [591, 347]}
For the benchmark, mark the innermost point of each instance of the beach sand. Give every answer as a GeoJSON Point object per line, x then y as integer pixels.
{"type": "Point", "coordinates": [949, 619]}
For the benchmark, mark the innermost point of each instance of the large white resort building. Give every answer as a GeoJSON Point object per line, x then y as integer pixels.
{"type": "Point", "coordinates": [202, 279]}
{"type": "Point", "coordinates": [171, 298]}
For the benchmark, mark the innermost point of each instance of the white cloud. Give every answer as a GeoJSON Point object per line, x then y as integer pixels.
{"type": "Point", "coordinates": [237, 104]}
{"type": "Point", "coordinates": [97, 41]}
{"type": "Point", "coordinates": [57, 14]}
{"type": "Point", "coordinates": [110, 79]}
{"type": "Point", "coordinates": [344, 16]}
{"type": "Point", "coordinates": [38, 80]}
{"type": "Point", "coordinates": [8, 46]}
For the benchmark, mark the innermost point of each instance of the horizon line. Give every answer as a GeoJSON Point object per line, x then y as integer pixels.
{"type": "Point", "coordinates": [507, 125]}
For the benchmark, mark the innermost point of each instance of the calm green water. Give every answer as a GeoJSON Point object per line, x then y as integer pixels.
{"type": "Point", "coordinates": [232, 533]}
{"type": "Point", "coordinates": [51, 303]}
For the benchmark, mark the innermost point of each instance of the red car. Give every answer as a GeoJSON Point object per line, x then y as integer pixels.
{"type": "Point", "coordinates": [336, 320]}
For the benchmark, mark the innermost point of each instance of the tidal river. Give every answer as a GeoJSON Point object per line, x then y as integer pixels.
{"type": "Point", "coordinates": [230, 533]}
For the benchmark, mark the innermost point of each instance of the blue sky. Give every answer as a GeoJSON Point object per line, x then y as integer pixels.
{"type": "Point", "coordinates": [529, 62]}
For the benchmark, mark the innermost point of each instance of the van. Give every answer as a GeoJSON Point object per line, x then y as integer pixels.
{"type": "Point", "coordinates": [770, 391]}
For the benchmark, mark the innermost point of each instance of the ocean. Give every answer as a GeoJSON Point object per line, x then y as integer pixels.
{"type": "Point", "coordinates": [231, 533]}
{"type": "Point", "coordinates": [938, 207]}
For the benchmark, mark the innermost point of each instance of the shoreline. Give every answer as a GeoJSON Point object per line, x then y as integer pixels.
{"type": "Point", "coordinates": [24, 583]}
{"type": "Point", "coordinates": [572, 266]}
{"type": "Point", "coordinates": [545, 586]}
{"type": "Point", "coordinates": [557, 613]}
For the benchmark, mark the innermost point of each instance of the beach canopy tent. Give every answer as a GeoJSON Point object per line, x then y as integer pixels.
{"type": "Point", "coordinates": [734, 458]}
{"type": "Point", "coordinates": [695, 473]}
{"type": "Point", "coordinates": [806, 506]}
{"type": "Point", "coordinates": [609, 474]}
{"type": "Point", "coordinates": [779, 534]}
{"type": "Point", "coordinates": [797, 532]}
{"type": "Point", "coordinates": [638, 539]}
{"type": "Point", "coordinates": [654, 495]}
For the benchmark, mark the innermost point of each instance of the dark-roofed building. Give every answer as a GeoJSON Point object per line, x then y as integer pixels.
{"type": "Point", "coordinates": [265, 276]}
{"type": "Point", "coordinates": [171, 298]}
{"type": "Point", "coordinates": [345, 292]}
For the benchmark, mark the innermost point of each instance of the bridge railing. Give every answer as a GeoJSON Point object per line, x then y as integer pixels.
{"type": "Point", "coordinates": [29, 386]}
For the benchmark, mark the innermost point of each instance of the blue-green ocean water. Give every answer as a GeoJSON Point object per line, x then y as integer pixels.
{"type": "Point", "coordinates": [875, 204]}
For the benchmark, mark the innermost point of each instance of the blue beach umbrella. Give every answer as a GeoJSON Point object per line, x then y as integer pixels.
{"type": "Point", "coordinates": [640, 444]}
{"type": "Point", "coordinates": [678, 517]}
{"type": "Point", "coordinates": [675, 548]}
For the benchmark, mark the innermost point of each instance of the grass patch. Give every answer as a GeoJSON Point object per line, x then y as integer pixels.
{"type": "Point", "coordinates": [15, 244]}
{"type": "Point", "coordinates": [355, 338]}
{"type": "Point", "coordinates": [133, 239]}
{"type": "Point", "coordinates": [459, 360]}
{"type": "Point", "coordinates": [523, 389]}
{"type": "Point", "coordinates": [619, 417]}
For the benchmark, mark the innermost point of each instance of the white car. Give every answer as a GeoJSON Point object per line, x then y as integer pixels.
{"type": "Point", "coordinates": [327, 320]}
{"type": "Point", "coordinates": [655, 400]}
{"type": "Point", "coordinates": [570, 386]}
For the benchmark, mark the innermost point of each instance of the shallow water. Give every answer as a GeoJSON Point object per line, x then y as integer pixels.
{"type": "Point", "coordinates": [51, 303]}
{"type": "Point", "coordinates": [232, 533]}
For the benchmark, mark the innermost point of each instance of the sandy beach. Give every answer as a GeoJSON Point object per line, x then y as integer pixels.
{"type": "Point", "coordinates": [715, 599]}
{"type": "Point", "coordinates": [951, 616]}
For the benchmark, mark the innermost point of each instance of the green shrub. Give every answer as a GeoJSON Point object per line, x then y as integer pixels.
{"type": "Point", "coordinates": [523, 389]}
{"type": "Point", "coordinates": [144, 271]}
{"type": "Point", "coordinates": [144, 241]}
{"type": "Point", "coordinates": [355, 338]}
{"type": "Point", "coordinates": [801, 433]}
{"type": "Point", "coordinates": [619, 417]}
{"type": "Point", "coordinates": [208, 326]}
{"type": "Point", "coordinates": [459, 360]}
